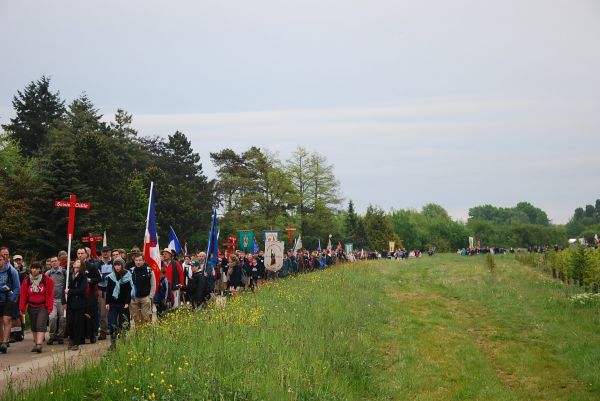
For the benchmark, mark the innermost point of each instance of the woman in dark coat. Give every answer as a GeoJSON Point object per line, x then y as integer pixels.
{"type": "Point", "coordinates": [197, 290]}
{"type": "Point", "coordinates": [234, 272]}
{"type": "Point", "coordinates": [76, 306]}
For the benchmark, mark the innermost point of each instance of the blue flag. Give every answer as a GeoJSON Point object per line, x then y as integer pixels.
{"type": "Point", "coordinates": [213, 242]}
{"type": "Point", "coordinates": [173, 241]}
{"type": "Point", "coordinates": [319, 246]}
{"type": "Point", "coordinates": [254, 247]}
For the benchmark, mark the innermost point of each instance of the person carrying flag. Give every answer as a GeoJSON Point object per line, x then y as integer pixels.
{"type": "Point", "coordinates": [174, 275]}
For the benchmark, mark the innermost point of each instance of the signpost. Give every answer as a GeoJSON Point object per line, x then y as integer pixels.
{"type": "Point", "coordinates": [92, 239]}
{"type": "Point", "coordinates": [72, 204]}
{"type": "Point", "coordinates": [290, 230]}
{"type": "Point", "coordinates": [230, 244]}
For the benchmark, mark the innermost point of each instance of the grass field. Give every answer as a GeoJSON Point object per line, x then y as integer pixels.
{"type": "Point", "coordinates": [436, 328]}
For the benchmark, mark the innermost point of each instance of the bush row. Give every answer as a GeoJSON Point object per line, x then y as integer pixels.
{"type": "Point", "coordinates": [576, 265]}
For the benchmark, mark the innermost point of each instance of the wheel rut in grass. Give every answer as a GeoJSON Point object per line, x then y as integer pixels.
{"type": "Point", "coordinates": [450, 338]}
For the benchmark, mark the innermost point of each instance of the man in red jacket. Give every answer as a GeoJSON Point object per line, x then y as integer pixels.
{"type": "Point", "coordinates": [174, 274]}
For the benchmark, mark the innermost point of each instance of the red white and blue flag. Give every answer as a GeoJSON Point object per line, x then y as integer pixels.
{"type": "Point", "coordinates": [151, 248]}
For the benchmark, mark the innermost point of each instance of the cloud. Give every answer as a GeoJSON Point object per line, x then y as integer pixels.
{"type": "Point", "coordinates": [458, 153]}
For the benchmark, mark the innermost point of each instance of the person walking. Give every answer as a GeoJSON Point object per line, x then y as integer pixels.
{"type": "Point", "coordinates": [118, 297]}
{"type": "Point", "coordinates": [196, 290]}
{"type": "Point", "coordinates": [76, 296]}
{"type": "Point", "coordinates": [37, 298]}
{"type": "Point", "coordinates": [9, 293]}
{"type": "Point", "coordinates": [144, 287]}
{"type": "Point", "coordinates": [57, 319]}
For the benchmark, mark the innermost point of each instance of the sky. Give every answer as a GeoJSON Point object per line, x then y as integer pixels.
{"type": "Point", "coordinates": [459, 103]}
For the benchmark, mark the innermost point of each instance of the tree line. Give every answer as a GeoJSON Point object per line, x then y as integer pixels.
{"type": "Point", "coordinates": [51, 149]}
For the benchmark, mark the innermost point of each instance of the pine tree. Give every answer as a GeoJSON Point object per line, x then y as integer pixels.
{"type": "Point", "coordinates": [37, 109]}
{"type": "Point", "coordinates": [351, 223]}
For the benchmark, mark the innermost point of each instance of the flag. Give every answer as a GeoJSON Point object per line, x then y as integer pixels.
{"type": "Point", "coordinates": [174, 241]}
{"type": "Point", "coordinates": [362, 252]}
{"type": "Point", "coordinates": [255, 248]}
{"type": "Point", "coordinates": [329, 243]}
{"type": "Point", "coordinates": [104, 240]}
{"type": "Point", "coordinates": [596, 237]}
{"type": "Point", "coordinates": [339, 248]}
{"type": "Point", "coordinates": [185, 252]}
{"type": "Point", "coordinates": [298, 244]}
{"type": "Point", "coordinates": [213, 241]}
{"type": "Point", "coordinates": [319, 246]}
{"type": "Point", "coordinates": [246, 238]}
{"type": "Point", "coordinates": [151, 248]}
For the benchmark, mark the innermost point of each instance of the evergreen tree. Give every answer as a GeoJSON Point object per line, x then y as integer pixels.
{"type": "Point", "coordinates": [351, 224]}
{"type": "Point", "coordinates": [36, 108]}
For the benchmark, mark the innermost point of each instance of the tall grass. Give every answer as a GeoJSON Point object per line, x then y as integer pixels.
{"type": "Point", "coordinates": [427, 329]}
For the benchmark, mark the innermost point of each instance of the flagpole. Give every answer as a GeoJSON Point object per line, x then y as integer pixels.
{"type": "Point", "coordinates": [149, 204]}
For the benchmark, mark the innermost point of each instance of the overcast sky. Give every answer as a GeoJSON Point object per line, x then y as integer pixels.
{"type": "Point", "coordinates": [458, 102]}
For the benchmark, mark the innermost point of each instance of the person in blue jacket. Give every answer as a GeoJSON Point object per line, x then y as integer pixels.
{"type": "Point", "coordinates": [9, 294]}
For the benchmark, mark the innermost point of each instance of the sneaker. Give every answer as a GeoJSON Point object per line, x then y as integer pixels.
{"type": "Point", "coordinates": [34, 349]}
{"type": "Point", "coordinates": [38, 348]}
{"type": "Point", "coordinates": [3, 348]}
{"type": "Point", "coordinates": [102, 336]}
{"type": "Point", "coordinates": [74, 348]}
{"type": "Point", "coordinates": [50, 341]}
{"type": "Point", "coordinates": [61, 341]}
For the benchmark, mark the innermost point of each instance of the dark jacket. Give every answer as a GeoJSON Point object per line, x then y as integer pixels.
{"type": "Point", "coordinates": [235, 278]}
{"type": "Point", "coordinates": [197, 289]}
{"type": "Point", "coordinates": [76, 298]}
{"type": "Point", "coordinates": [93, 275]}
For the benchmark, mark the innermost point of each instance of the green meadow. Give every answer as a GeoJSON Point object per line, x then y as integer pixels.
{"type": "Point", "coordinates": [437, 328]}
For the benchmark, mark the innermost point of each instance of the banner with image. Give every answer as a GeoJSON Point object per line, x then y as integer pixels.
{"type": "Point", "coordinates": [246, 239]}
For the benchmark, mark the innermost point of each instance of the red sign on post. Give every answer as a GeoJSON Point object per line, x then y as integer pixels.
{"type": "Point", "coordinates": [72, 204]}
{"type": "Point", "coordinates": [92, 239]}
{"type": "Point", "coordinates": [290, 230]}
{"type": "Point", "coordinates": [78, 205]}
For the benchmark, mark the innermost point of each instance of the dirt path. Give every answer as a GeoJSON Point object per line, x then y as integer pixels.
{"type": "Point", "coordinates": [21, 368]}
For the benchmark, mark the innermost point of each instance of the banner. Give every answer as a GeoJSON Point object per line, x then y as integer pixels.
{"type": "Point", "coordinates": [471, 240]}
{"type": "Point", "coordinates": [271, 235]}
{"type": "Point", "coordinates": [392, 246]}
{"type": "Point", "coordinates": [349, 248]}
{"type": "Point", "coordinates": [246, 238]}
{"type": "Point", "coordinates": [274, 255]}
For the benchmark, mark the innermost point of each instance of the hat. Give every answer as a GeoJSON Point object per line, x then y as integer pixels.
{"type": "Point", "coordinates": [119, 261]}
{"type": "Point", "coordinates": [195, 263]}
{"type": "Point", "coordinates": [17, 257]}
{"type": "Point", "coordinates": [167, 250]}
{"type": "Point", "coordinates": [105, 248]}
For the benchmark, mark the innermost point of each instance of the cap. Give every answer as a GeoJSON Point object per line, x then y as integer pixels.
{"type": "Point", "coordinates": [119, 261]}
{"type": "Point", "coordinates": [195, 263]}
{"type": "Point", "coordinates": [105, 248]}
{"type": "Point", "coordinates": [17, 257]}
{"type": "Point", "coordinates": [167, 250]}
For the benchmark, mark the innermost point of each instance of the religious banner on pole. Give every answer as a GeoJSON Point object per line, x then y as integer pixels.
{"type": "Point", "coordinates": [471, 240]}
{"type": "Point", "coordinates": [274, 255]}
{"type": "Point", "coordinates": [246, 238]}
{"type": "Point", "coordinates": [271, 235]}
{"type": "Point", "coordinates": [349, 248]}
{"type": "Point", "coordinates": [392, 246]}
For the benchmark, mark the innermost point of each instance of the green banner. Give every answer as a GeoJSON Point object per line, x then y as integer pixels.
{"type": "Point", "coordinates": [349, 248]}
{"type": "Point", "coordinates": [246, 240]}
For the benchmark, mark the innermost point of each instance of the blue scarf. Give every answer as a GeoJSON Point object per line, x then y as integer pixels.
{"type": "Point", "coordinates": [125, 278]}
